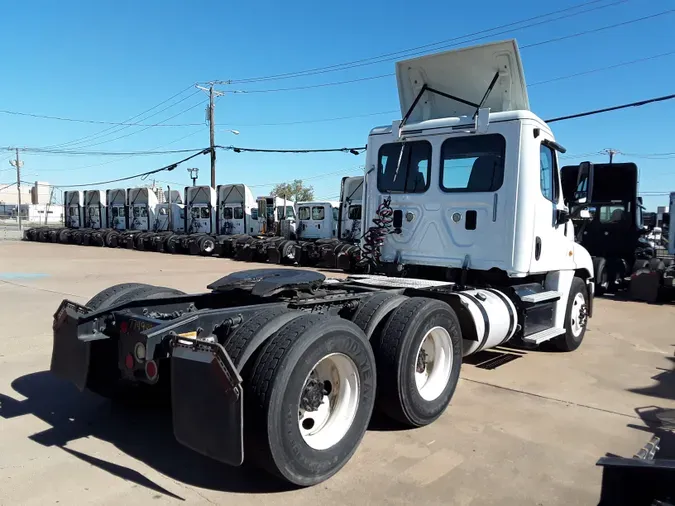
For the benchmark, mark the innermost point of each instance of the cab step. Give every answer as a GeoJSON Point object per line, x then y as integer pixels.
{"type": "Point", "coordinates": [536, 298]}
{"type": "Point", "coordinates": [543, 335]}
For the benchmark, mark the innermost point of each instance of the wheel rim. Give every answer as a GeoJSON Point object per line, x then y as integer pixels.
{"type": "Point", "coordinates": [433, 363]}
{"type": "Point", "coordinates": [208, 246]}
{"type": "Point", "coordinates": [578, 314]}
{"type": "Point", "coordinates": [329, 401]}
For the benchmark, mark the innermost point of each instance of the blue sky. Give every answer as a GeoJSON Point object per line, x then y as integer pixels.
{"type": "Point", "coordinates": [110, 60]}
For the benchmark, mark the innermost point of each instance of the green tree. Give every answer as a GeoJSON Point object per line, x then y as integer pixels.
{"type": "Point", "coordinates": [294, 191]}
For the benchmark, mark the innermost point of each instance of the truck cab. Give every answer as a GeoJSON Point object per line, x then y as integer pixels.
{"type": "Point", "coordinates": [170, 216]}
{"type": "Point", "coordinates": [614, 234]}
{"type": "Point", "coordinates": [200, 202]}
{"type": "Point", "coordinates": [317, 220]}
{"type": "Point", "coordinates": [74, 202]}
{"type": "Point", "coordinates": [237, 210]}
{"type": "Point", "coordinates": [142, 205]}
{"type": "Point", "coordinates": [466, 187]}
{"type": "Point", "coordinates": [117, 209]}
{"type": "Point", "coordinates": [271, 211]}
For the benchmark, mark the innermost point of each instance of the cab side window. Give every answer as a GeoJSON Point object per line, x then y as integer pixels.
{"type": "Point", "coordinates": [548, 176]}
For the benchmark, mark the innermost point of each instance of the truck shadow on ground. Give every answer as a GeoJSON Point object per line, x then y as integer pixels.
{"type": "Point", "coordinates": [665, 383]}
{"type": "Point", "coordinates": [142, 433]}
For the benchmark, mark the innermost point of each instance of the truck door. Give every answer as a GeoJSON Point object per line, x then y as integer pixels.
{"type": "Point", "coordinates": [304, 217]}
{"type": "Point", "coordinates": [140, 217]}
{"type": "Point", "coordinates": [94, 216]}
{"type": "Point", "coordinates": [351, 222]}
{"type": "Point", "coordinates": [73, 217]}
{"type": "Point", "coordinates": [118, 216]}
{"type": "Point", "coordinates": [232, 219]}
{"type": "Point", "coordinates": [552, 248]}
{"type": "Point", "coordinates": [315, 226]}
{"type": "Point", "coordinates": [162, 219]}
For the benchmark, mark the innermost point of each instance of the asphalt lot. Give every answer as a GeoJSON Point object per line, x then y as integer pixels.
{"type": "Point", "coordinates": [528, 432]}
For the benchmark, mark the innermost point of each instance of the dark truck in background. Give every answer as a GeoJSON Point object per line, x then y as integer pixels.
{"type": "Point", "coordinates": [615, 236]}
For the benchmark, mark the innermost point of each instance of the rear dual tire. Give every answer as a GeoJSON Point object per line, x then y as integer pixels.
{"type": "Point", "coordinates": [419, 357]}
{"type": "Point", "coordinates": [309, 396]}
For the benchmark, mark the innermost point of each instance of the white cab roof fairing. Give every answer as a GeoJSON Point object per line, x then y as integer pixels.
{"type": "Point", "coordinates": [200, 195]}
{"type": "Point", "coordinates": [141, 196]}
{"type": "Point", "coordinates": [117, 197]}
{"type": "Point", "coordinates": [94, 197]}
{"type": "Point", "coordinates": [353, 188]}
{"type": "Point", "coordinates": [464, 73]}
{"type": "Point", "coordinates": [74, 198]}
{"type": "Point", "coordinates": [175, 197]}
{"type": "Point", "coordinates": [235, 194]}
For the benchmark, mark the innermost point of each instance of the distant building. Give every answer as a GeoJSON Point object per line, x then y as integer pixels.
{"type": "Point", "coordinates": [35, 203]}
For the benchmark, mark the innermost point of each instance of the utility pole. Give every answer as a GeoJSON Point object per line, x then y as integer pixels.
{"type": "Point", "coordinates": [18, 163]}
{"type": "Point", "coordinates": [611, 153]}
{"type": "Point", "coordinates": [211, 112]}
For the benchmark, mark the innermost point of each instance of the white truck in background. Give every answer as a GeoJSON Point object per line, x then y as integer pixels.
{"type": "Point", "coordinates": [200, 221]}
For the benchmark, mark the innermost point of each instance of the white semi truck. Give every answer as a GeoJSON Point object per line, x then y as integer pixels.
{"type": "Point", "coordinates": [237, 218]}
{"type": "Point", "coordinates": [200, 221]}
{"type": "Point", "coordinates": [463, 212]}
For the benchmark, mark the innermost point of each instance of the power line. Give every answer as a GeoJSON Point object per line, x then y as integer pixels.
{"type": "Point", "coordinates": [142, 175]}
{"type": "Point", "coordinates": [397, 54]}
{"type": "Point", "coordinates": [536, 44]}
{"type": "Point", "coordinates": [354, 151]}
{"type": "Point", "coordinates": [112, 129]}
{"type": "Point", "coordinates": [102, 153]}
{"type": "Point", "coordinates": [602, 28]}
{"type": "Point", "coordinates": [89, 121]}
{"type": "Point", "coordinates": [360, 149]}
{"type": "Point", "coordinates": [559, 78]}
{"type": "Point", "coordinates": [600, 69]}
{"type": "Point", "coordinates": [143, 129]}
{"type": "Point", "coordinates": [614, 108]}
{"type": "Point", "coordinates": [321, 120]}
{"type": "Point", "coordinates": [125, 158]}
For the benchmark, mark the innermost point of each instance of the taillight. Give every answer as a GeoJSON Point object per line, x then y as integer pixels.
{"type": "Point", "coordinates": [151, 370]}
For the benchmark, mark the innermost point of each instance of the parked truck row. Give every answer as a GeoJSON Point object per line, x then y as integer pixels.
{"type": "Point", "coordinates": [227, 221]}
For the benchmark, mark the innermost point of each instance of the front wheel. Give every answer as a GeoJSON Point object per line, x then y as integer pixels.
{"type": "Point", "coordinates": [310, 397]}
{"type": "Point", "coordinates": [576, 317]}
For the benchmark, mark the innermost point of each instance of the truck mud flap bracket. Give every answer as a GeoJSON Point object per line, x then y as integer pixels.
{"type": "Point", "coordinates": [207, 400]}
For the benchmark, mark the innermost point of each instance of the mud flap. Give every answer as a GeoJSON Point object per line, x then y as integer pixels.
{"type": "Point", "coordinates": [70, 354]}
{"type": "Point", "coordinates": [207, 401]}
{"type": "Point", "coordinates": [274, 255]}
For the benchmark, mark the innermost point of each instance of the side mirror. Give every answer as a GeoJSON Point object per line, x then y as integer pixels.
{"type": "Point", "coordinates": [584, 189]}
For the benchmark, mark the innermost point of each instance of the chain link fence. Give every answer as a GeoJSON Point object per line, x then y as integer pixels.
{"type": "Point", "coordinates": [9, 227]}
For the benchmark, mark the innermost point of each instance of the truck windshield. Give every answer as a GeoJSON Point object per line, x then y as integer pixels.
{"type": "Point", "coordinates": [227, 213]}
{"type": "Point", "coordinates": [355, 212]}
{"type": "Point", "coordinates": [411, 175]}
{"type": "Point", "coordinates": [238, 213]}
{"type": "Point", "coordinates": [318, 213]}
